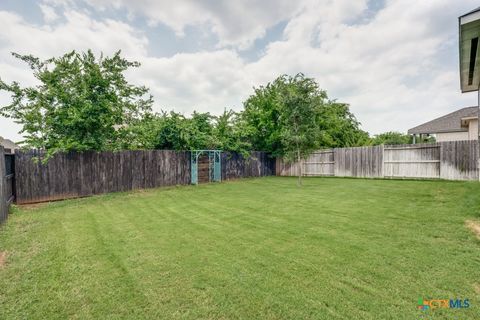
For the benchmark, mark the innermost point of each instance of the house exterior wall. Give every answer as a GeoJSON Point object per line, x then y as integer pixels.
{"type": "Point", "coordinates": [473, 129]}
{"type": "Point", "coordinates": [452, 136]}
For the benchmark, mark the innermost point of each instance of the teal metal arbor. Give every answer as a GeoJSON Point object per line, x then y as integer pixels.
{"type": "Point", "coordinates": [214, 165]}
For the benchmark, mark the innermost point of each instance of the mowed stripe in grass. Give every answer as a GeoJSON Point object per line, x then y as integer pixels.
{"type": "Point", "coordinates": [250, 249]}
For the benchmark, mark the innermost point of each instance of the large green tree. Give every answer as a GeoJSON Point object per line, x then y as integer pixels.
{"type": "Point", "coordinates": [81, 102]}
{"type": "Point", "coordinates": [335, 125]}
{"type": "Point", "coordinates": [299, 102]}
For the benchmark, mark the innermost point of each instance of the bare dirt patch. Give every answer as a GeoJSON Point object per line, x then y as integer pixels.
{"type": "Point", "coordinates": [476, 287]}
{"type": "Point", "coordinates": [33, 206]}
{"type": "Point", "coordinates": [474, 226]}
{"type": "Point", "coordinates": [3, 258]}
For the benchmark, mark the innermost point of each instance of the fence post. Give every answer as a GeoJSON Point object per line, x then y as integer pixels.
{"type": "Point", "coordinates": [442, 159]}
{"type": "Point", "coordinates": [383, 161]}
{"type": "Point", "coordinates": [335, 162]}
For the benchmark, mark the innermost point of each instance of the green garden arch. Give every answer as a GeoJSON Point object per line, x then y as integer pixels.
{"type": "Point", "coordinates": [214, 165]}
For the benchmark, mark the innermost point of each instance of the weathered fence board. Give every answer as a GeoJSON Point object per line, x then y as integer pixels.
{"type": "Point", "coordinates": [3, 189]}
{"type": "Point", "coordinates": [71, 175]}
{"type": "Point", "coordinates": [284, 168]}
{"type": "Point", "coordinates": [359, 162]}
{"type": "Point", "coordinates": [453, 160]}
{"type": "Point", "coordinates": [258, 164]}
{"type": "Point", "coordinates": [412, 161]}
{"type": "Point", "coordinates": [459, 160]}
{"type": "Point", "coordinates": [320, 163]}
{"type": "Point", "coordinates": [203, 169]}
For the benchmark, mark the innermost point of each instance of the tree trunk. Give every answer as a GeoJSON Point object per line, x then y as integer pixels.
{"type": "Point", "coordinates": [299, 168]}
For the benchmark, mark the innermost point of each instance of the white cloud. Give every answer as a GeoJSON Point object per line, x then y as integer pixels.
{"type": "Point", "coordinates": [387, 68]}
{"type": "Point", "coordinates": [78, 31]}
{"type": "Point", "coordinates": [236, 23]}
{"type": "Point", "coordinates": [205, 81]}
{"type": "Point", "coordinates": [49, 14]}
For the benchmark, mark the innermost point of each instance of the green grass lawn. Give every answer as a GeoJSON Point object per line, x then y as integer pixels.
{"type": "Point", "coordinates": [250, 249]}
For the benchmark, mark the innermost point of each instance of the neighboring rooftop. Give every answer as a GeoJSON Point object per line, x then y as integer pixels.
{"type": "Point", "coordinates": [451, 122]}
{"type": "Point", "coordinates": [9, 145]}
{"type": "Point", "coordinates": [470, 12]}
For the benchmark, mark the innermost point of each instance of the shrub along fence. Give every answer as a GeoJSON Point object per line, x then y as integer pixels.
{"type": "Point", "coordinates": [452, 160]}
{"type": "Point", "coordinates": [71, 175]}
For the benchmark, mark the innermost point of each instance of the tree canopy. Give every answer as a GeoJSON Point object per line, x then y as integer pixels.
{"type": "Point", "coordinates": [300, 101]}
{"type": "Point", "coordinates": [171, 130]}
{"type": "Point", "coordinates": [83, 103]}
{"type": "Point", "coordinates": [391, 137]}
{"type": "Point", "coordinates": [327, 123]}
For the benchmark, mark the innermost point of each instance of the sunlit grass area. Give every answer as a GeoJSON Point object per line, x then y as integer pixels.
{"type": "Point", "coordinates": [249, 249]}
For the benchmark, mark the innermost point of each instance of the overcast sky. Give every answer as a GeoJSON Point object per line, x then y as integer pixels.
{"type": "Point", "coordinates": [395, 62]}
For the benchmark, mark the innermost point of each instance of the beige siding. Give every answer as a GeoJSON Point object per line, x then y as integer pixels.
{"type": "Point", "coordinates": [471, 134]}
{"type": "Point", "coordinates": [472, 129]}
{"type": "Point", "coordinates": [452, 136]}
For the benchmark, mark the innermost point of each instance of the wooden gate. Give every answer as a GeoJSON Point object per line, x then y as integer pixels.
{"type": "Point", "coordinates": [10, 177]}
{"type": "Point", "coordinates": [7, 183]}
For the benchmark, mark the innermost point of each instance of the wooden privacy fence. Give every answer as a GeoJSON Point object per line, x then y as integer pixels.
{"type": "Point", "coordinates": [453, 160]}
{"type": "Point", "coordinates": [258, 164]}
{"type": "Point", "coordinates": [72, 175]}
{"type": "Point", "coordinates": [416, 161]}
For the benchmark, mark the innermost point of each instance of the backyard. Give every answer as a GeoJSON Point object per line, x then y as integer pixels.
{"type": "Point", "coordinates": [247, 249]}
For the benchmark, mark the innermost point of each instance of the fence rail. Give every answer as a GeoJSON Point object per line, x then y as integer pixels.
{"type": "Point", "coordinates": [452, 160]}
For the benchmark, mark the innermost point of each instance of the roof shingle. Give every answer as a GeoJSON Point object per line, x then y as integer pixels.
{"type": "Point", "coordinates": [448, 123]}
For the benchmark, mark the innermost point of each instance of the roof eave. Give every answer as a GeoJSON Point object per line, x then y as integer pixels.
{"type": "Point", "coordinates": [469, 13]}
{"type": "Point", "coordinates": [410, 131]}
